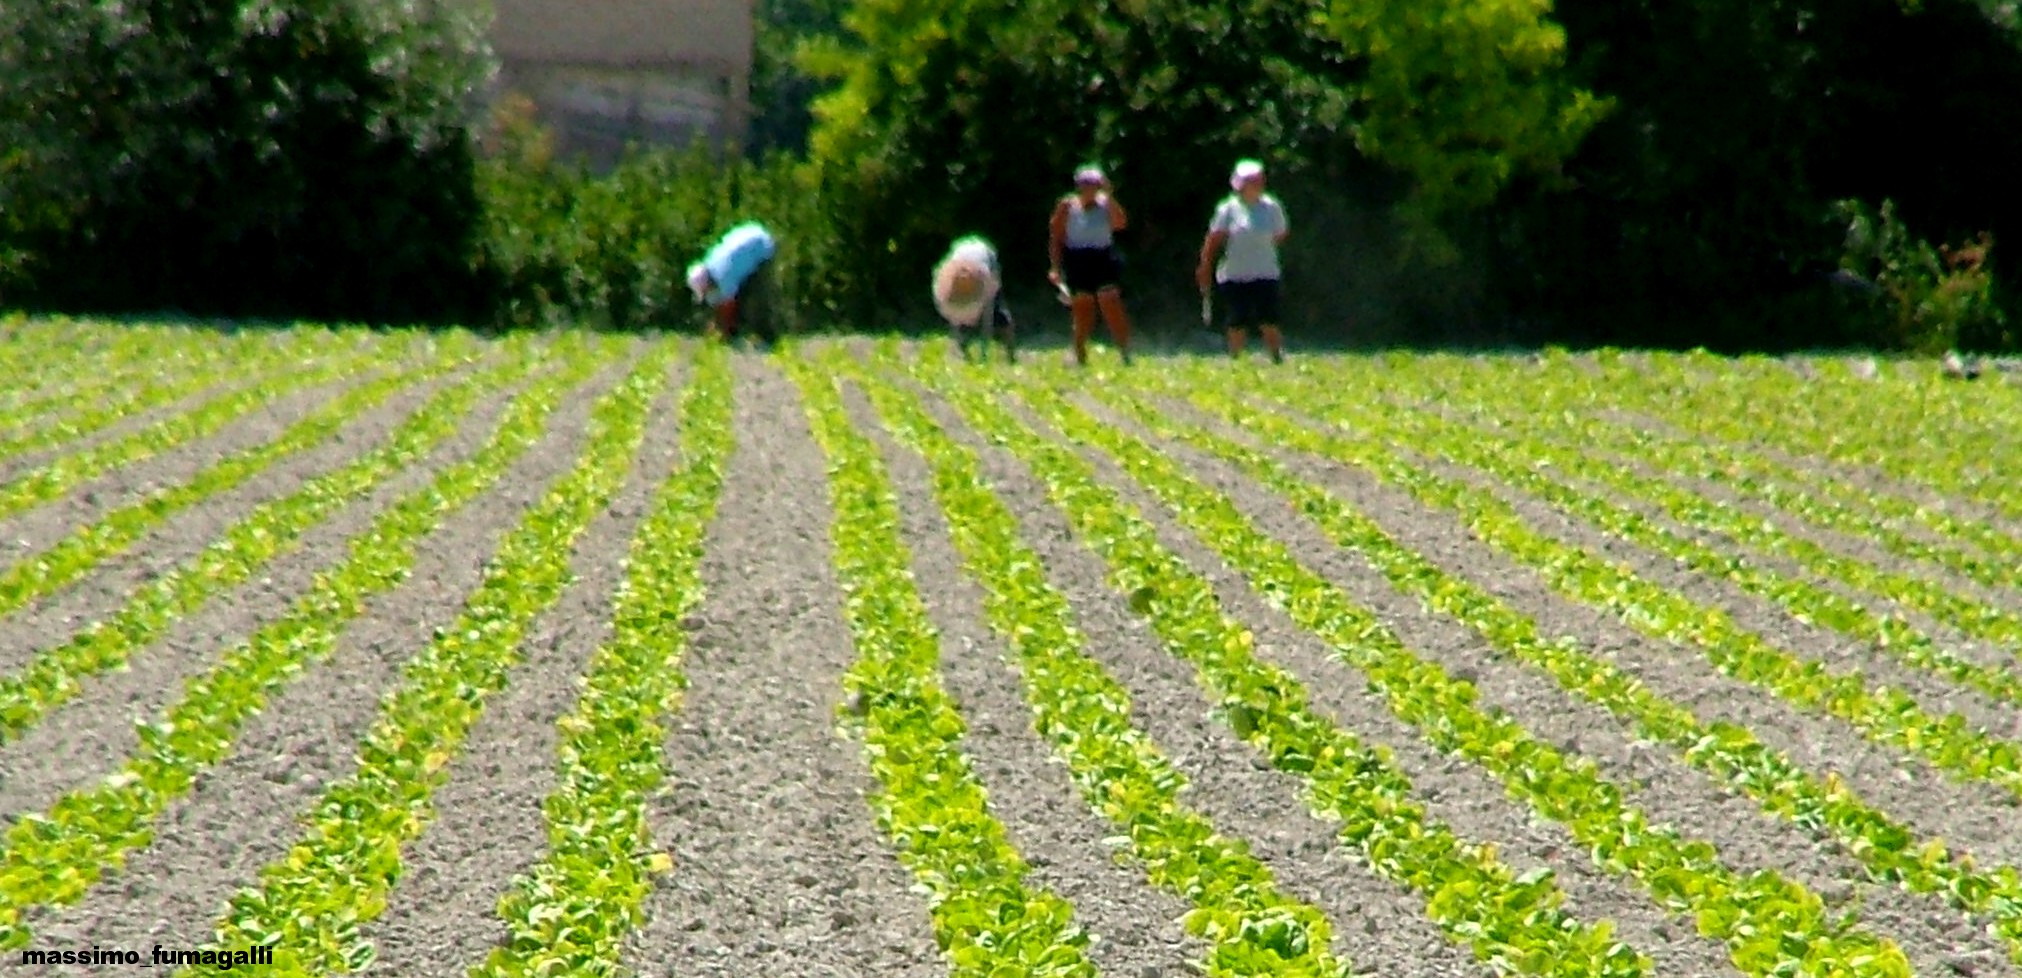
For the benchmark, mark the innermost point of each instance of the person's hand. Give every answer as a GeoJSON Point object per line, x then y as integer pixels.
{"type": "Point", "coordinates": [1053, 277]}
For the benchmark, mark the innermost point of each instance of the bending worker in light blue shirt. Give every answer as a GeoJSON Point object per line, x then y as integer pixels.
{"type": "Point", "coordinates": [735, 279]}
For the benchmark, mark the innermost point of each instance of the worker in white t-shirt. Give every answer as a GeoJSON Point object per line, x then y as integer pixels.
{"type": "Point", "coordinates": [1239, 260]}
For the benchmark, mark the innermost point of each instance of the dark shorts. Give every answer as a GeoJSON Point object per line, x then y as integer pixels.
{"type": "Point", "coordinates": [1252, 303]}
{"type": "Point", "coordinates": [1090, 270]}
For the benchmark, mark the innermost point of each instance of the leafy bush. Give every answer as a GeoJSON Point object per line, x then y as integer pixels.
{"type": "Point", "coordinates": [563, 245]}
{"type": "Point", "coordinates": [1931, 299]}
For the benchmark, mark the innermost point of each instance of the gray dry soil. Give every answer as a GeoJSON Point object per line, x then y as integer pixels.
{"type": "Point", "coordinates": [779, 866]}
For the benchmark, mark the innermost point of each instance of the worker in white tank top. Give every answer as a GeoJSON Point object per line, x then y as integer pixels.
{"type": "Point", "coordinates": [1081, 246]}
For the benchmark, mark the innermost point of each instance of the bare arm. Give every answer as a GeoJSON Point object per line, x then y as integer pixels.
{"type": "Point", "coordinates": [1118, 220]}
{"type": "Point", "coordinates": [1211, 247]}
{"type": "Point", "coordinates": [1056, 238]}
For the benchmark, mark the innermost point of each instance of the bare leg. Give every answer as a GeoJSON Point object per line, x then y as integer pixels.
{"type": "Point", "coordinates": [1275, 343]}
{"type": "Point", "coordinates": [1006, 329]}
{"type": "Point", "coordinates": [1236, 337]}
{"type": "Point", "coordinates": [1084, 326]}
{"type": "Point", "coordinates": [726, 320]}
{"type": "Point", "coordinates": [1118, 320]}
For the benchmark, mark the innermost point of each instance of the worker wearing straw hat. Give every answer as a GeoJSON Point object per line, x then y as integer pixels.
{"type": "Point", "coordinates": [734, 278]}
{"type": "Point", "coordinates": [1239, 259]}
{"type": "Point", "coordinates": [968, 286]}
{"type": "Point", "coordinates": [1081, 244]}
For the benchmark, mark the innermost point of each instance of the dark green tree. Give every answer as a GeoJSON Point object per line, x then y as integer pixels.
{"type": "Point", "coordinates": [300, 158]}
{"type": "Point", "coordinates": [970, 114]}
{"type": "Point", "coordinates": [1704, 205]}
{"type": "Point", "coordinates": [782, 95]}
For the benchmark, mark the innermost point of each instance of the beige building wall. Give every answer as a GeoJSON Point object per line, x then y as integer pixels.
{"type": "Point", "coordinates": [605, 72]}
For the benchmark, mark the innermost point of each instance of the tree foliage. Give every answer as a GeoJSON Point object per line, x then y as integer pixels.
{"type": "Point", "coordinates": [782, 94]}
{"type": "Point", "coordinates": [1465, 96]}
{"type": "Point", "coordinates": [1624, 171]}
{"type": "Point", "coordinates": [305, 157]}
{"type": "Point", "coordinates": [981, 107]}
{"type": "Point", "coordinates": [1704, 208]}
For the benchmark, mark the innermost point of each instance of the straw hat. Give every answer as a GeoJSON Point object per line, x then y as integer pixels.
{"type": "Point", "coordinates": [962, 290]}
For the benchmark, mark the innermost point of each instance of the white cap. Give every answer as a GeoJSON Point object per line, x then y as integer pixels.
{"type": "Point", "coordinates": [1088, 174]}
{"type": "Point", "coordinates": [1245, 169]}
{"type": "Point", "coordinates": [698, 281]}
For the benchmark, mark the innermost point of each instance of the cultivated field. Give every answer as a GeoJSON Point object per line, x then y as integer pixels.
{"type": "Point", "coordinates": [426, 655]}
